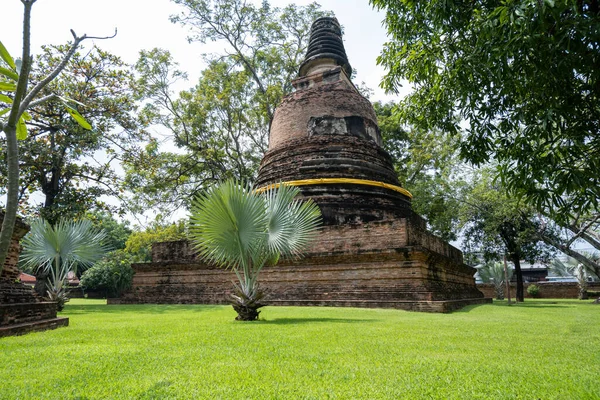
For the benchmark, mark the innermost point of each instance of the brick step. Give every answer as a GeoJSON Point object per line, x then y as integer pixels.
{"type": "Point", "coordinates": [34, 326]}
{"type": "Point", "coordinates": [12, 314]}
{"type": "Point", "coordinates": [428, 306]}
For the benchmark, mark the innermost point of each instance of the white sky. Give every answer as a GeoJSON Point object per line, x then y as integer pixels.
{"type": "Point", "coordinates": [144, 24]}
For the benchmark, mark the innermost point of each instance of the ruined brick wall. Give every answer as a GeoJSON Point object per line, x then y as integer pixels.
{"type": "Point", "coordinates": [11, 271]}
{"type": "Point", "coordinates": [21, 310]}
{"type": "Point", "coordinates": [548, 290]}
{"type": "Point", "coordinates": [368, 265]}
{"type": "Point", "coordinates": [337, 99]}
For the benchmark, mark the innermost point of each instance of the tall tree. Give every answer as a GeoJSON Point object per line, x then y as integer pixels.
{"type": "Point", "coordinates": [518, 82]}
{"type": "Point", "coordinates": [496, 225]}
{"type": "Point", "coordinates": [70, 165]}
{"type": "Point", "coordinates": [428, 166]}
{"type": "Point", "coordinates": [220, 126]}
{"type": "Point", "coordinates": [16, 81]}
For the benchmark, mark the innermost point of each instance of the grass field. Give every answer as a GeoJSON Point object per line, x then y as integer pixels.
{"type": "Point", "coordinates": [537, 350]}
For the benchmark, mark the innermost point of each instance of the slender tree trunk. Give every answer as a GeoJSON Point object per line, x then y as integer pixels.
{"type": "Point", "coordinates": [515, 258]}
{"type": "Point", "coordinates": [12, 147]}
{"type": "Point", "coordinates": [12, 195]}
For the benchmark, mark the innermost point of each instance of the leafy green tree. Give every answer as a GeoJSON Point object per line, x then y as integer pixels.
{"type": "Point", "coordinates": [139, 243]}
{"type": "Point", "coordinates": [112, 275]}
{"type": "Point", "coordinates": [235, 227]}
{"type": "Point", "coordinates": [70, 165]}
{"type": "Point", "coordinates": [428, 166]}
{"type": "Point", "coordinates": [117, 232]}
{"type": "Point", "coordinates": [518, 83]}
{"type": "Point", "coordinates": [59, 249]}
{"type": "Point", "coordinates": [572, 267]}
{"type": "Point", "coordinates": [496, 224]}
{"type": "Point", "coordinates": [220, 126]}
{"type": "Point", "coordinates": [215, 127]}
{"type": "Point", "coordinates": [15, 82]}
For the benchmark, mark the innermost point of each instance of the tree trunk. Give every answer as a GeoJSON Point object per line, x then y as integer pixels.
{"type": "Point", "coordinates": [12, 193]}
{"type": "Point", "coordinates": [247, 307]}
{"type": "Point", "coordinates": [514, 257]}
{"type": "Point", "coordinates": [12, 147]}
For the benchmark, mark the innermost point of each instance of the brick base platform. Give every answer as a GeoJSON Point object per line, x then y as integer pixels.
{"type": "Point", "coordinates": [387, 264]}
{"type": "Point", "coordinates": [34, 326]}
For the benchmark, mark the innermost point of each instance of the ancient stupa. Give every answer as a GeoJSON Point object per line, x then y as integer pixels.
{"type": "Point", "coordinates": [373, 250]}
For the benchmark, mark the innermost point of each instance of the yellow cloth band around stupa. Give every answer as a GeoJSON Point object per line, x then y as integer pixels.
{"type": "Point", "coordinates": [329, 181]}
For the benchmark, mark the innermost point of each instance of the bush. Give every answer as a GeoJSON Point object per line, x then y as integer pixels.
{"type": "Point", "coordinates": [533, 290]}
{"type": "Point", "coordinates": [111, 275]}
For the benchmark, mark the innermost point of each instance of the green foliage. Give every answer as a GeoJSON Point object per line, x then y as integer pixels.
{"type": "Point", "coordinates": [533, 290]}
{"type": "Point", "coordinates": [112, 275]}
{"type": "Point", "coordinates": [235, 227]}
{"type": "Point", "coordinates": [309, 353]}
{"type": "Point", "coordinates": [59, 249]}
{"type": "Point", "coordinates": [497, 225]}
{"type": "Point", "coordinates": [221, 125]}
{"type": "Point", "coordinates": [493, 272]}
{"type": "Point", "coordinates": [518, 82]}
{"type": "Point", "coordinates": [428, 166]}
{"type": "Point", "coordinates": [58, 294]}
{"type": "Point", "coordinates": [58, 158]}
{"type": "Point", "coordinates": [117, 232]}
{"type": "Point", "coordinates": [139, 243]}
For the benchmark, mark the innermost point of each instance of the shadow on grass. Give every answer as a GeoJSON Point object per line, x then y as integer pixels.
{"type": "Point", "coordinates": [138, 308]}
{"type": "Point", "coordinates": [293, 321]}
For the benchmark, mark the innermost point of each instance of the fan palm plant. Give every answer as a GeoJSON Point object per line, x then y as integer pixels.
{"type": "Point", "coordinates": [236, 227]}
{"type": "Point", "coordinates": [572, 267]}
{"type": "Point", "coordinates": [493, 272]}
{"type": "Point", "coordinates": [59, 249]}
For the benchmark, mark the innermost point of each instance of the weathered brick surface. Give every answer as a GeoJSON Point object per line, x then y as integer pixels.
{"type": "Point", "coordinates": [18, 313]}
{"type": "Point", "coordinates": [369, 265]}
{"type": "Point", "coordinates": [335, 97]}
{"type": "Point", "coordinates": [35, 326]}
{"type": "Point", "coordinates": [548, 290]}
{"type": "Point", "coordinates": [10, 271]}
{"type": "Point", "coordinates": [373, 250]}
{"type": "Point", "coordinates": [21, 309]}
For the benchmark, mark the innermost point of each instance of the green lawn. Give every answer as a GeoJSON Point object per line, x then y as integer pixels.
{"type": "Point", "coordinates": [539, 350]}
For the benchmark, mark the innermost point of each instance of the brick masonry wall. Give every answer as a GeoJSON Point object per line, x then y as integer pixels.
{"type": "Point", "coordinates": [336, 99]}
{"type": "Point", "coordinates": [359, 265]}
{"type": "Point", "coordinates": [10, 271]}
{"type": "Point", "coordinates": [548, 290]}
{"type": "Point", "coordinates": [21, 310]}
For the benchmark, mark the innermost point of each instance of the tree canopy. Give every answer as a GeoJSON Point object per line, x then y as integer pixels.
{"type": "Point", "coordinates": [518, 81]}
{"type": "Point", "coordinates": [220, 126]}
{"type": "Point", "coordinates": [70, 165]}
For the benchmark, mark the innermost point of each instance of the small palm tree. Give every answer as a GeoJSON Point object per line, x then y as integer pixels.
{"type": "Point", "coordinates": [493, 272]}
{"type": "Point", "coordinates": [234, 226]}
{"type": "Point", "coordinates": [62, 248]}
{"type": "Point", "coordinates": [572, 267]}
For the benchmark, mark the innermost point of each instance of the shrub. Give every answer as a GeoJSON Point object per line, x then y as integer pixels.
{"type": "Point", "coordinates": [533, 290]}
{"type": "Point", "coordinates": [111, 275]}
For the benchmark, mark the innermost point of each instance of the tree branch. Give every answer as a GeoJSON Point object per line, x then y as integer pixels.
{"type": "Point", "coordinates": [34, 92]}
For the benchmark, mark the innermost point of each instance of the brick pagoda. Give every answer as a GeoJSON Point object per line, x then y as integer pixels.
{"type": "Point", "coordinates": [373, 250]}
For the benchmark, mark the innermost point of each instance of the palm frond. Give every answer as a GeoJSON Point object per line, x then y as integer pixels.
{"type": "Point", "coordinates": [227, 221]}
{"type": "Point", "coordinates": [68, 243]}
{"type": "Point", "coordinates": [292, 222]}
